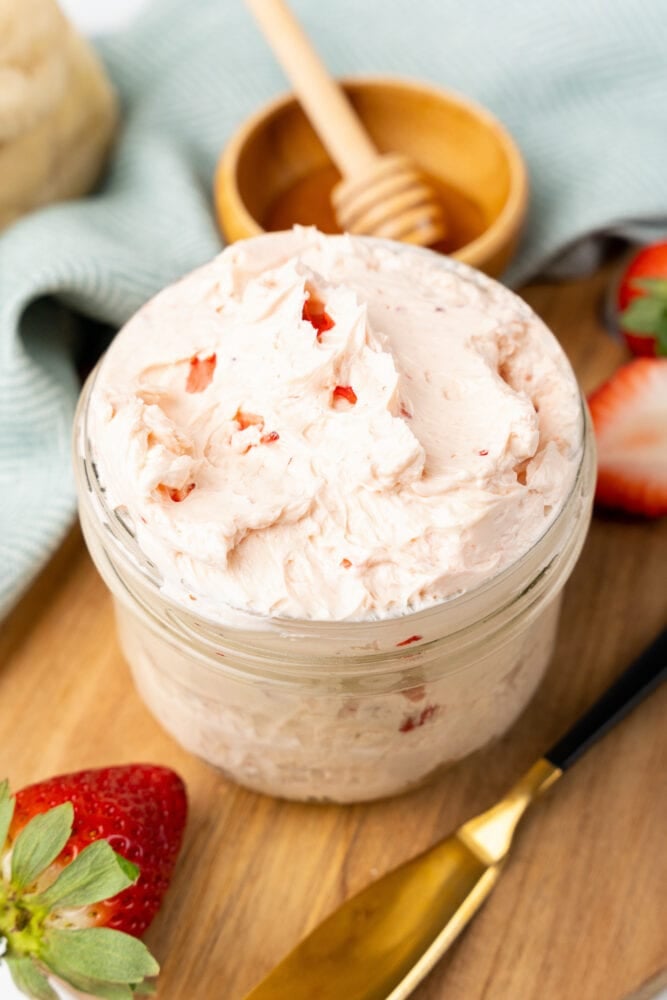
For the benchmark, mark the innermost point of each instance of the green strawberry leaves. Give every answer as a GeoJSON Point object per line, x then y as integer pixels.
{"type": "Point", "coordinates": [102, 962]}
{"type": "Point", "coordinates": [98, 953]}
{"type": "Point", "coordinates": [30, 979]}
{"type": "Point", "coordinates": [96, 874]}
{"type": "Point", "coordinates": [111, 991]}
{"type": "Point", "coordinates": [647, 316]}
{"type": "Point", "coordinates": [106, 991]}
{"type": "Point", "coordinates": [39, 843]}
{"type": "Point", "coordinates": [652, 286]}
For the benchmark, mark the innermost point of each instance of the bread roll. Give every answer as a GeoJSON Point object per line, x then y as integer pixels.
{"type": "Point", "coordinates": [58, 111]}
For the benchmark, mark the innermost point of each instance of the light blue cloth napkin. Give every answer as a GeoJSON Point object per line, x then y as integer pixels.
{"type": "Point", "coordinates": [582, 85]}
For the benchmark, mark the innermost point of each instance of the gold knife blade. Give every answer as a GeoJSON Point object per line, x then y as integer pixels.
{"type": "Point", "coordinates": [384, 940]}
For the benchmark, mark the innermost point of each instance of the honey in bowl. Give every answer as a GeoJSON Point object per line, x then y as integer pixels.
{"type": "Point", "coordinates": [275, 172]}
{"type": "Point", "coordinates": [307, 202]}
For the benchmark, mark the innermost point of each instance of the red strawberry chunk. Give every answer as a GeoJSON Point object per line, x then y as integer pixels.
{"type": "Point", "coordinates": [140, 809]}
{"type": "Point", "coordinates": [176, 495]}
{"type": "Point", "coordinates": [630, 418]}
{"type": "Point", "coordinates": [415, 721]}
{"type": "Point", "coordinates": [200, 374]}
{"type": "Point", "coordinates": [345, 392]}
{"type": "Point", "coordinates": [244, 419]}
{"type": "Point", "coordinates": [410, 640]}
{"type": "Point", "coordinates": [314, 313]}
{"type": "Point", "coordinates": [417, 693]}
{"type": "Point", "coordinates": [269, 438]}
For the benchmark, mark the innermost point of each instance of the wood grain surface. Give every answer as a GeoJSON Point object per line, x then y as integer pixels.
{"type": "Point", "coordinates": [580, 913]}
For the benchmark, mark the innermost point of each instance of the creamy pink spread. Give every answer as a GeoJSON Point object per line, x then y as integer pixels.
{"type": "Point", "coordinates": [334, 428]}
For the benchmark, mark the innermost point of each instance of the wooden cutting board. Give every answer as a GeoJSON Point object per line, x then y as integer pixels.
{"type": "Point", "coordinates": [581, 912]}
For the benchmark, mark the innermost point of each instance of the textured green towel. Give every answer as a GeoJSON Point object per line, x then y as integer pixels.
{"type": "Point", "coordinates": [582, 86]}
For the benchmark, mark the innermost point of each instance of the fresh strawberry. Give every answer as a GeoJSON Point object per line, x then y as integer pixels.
{"type": "Point", "coordinates": [630, 419]}
{"type": "Point", "coordinates": [86, 861]}
{"type": "Point", "coordinates": [139, 809]}
{"type": "Point", "coordinates": [642, 301]}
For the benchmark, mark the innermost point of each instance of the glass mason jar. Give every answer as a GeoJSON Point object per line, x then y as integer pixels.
{"type": "Point", "coordinates": [337, 711]}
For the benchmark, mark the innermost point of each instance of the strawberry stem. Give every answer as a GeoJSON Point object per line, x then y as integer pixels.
{"type": "Point", "coordinates": [21, 925]}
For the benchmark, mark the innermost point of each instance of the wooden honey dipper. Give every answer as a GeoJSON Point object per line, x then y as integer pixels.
{"type": "Point", "coordinates": [381, 194]}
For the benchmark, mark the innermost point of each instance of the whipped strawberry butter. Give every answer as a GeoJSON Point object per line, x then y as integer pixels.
{"type": "Point", "coordinates": [351, 445]}
{"type": "Point", "coordinates": [314, 427]}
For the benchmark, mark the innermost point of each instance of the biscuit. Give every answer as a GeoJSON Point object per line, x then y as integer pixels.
{"type": "Point", "coordinates": [58, 111]}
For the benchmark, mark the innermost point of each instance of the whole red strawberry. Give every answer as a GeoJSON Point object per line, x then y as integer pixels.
{"type": "Point", "coordinates": [139, 809]}
{"type": "Point", "coordinates": [87, 859]}
{"type": "Point", "coordinates": [642, 301]}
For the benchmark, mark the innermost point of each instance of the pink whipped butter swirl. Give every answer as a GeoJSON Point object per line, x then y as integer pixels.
{"type": "Point", "coordinates": [330, 428]}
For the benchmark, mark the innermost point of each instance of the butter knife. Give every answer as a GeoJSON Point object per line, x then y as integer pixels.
{"type": "Point", "coordinates": [383, 941]}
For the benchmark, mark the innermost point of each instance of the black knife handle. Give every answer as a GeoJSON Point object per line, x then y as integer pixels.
{"type": "Point", "coordinates": [634, 684]}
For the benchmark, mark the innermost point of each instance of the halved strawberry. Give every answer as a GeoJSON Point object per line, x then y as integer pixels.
{"type": "Point", "coordinates": [630, 418]}
{"type": "Point", "coordinates": [642, 301]}
{"type": "Point", "coordinates": [85, 860]}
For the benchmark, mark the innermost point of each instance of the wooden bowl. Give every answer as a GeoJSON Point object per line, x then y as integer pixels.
{"type": "Point", "coordinates": [275, 172]}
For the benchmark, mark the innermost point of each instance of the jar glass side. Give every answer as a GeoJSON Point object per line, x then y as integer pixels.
{"type": "Point", "coordinates": [349, 745]}
{"type": "Point", "coordinates": [283, 720]}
